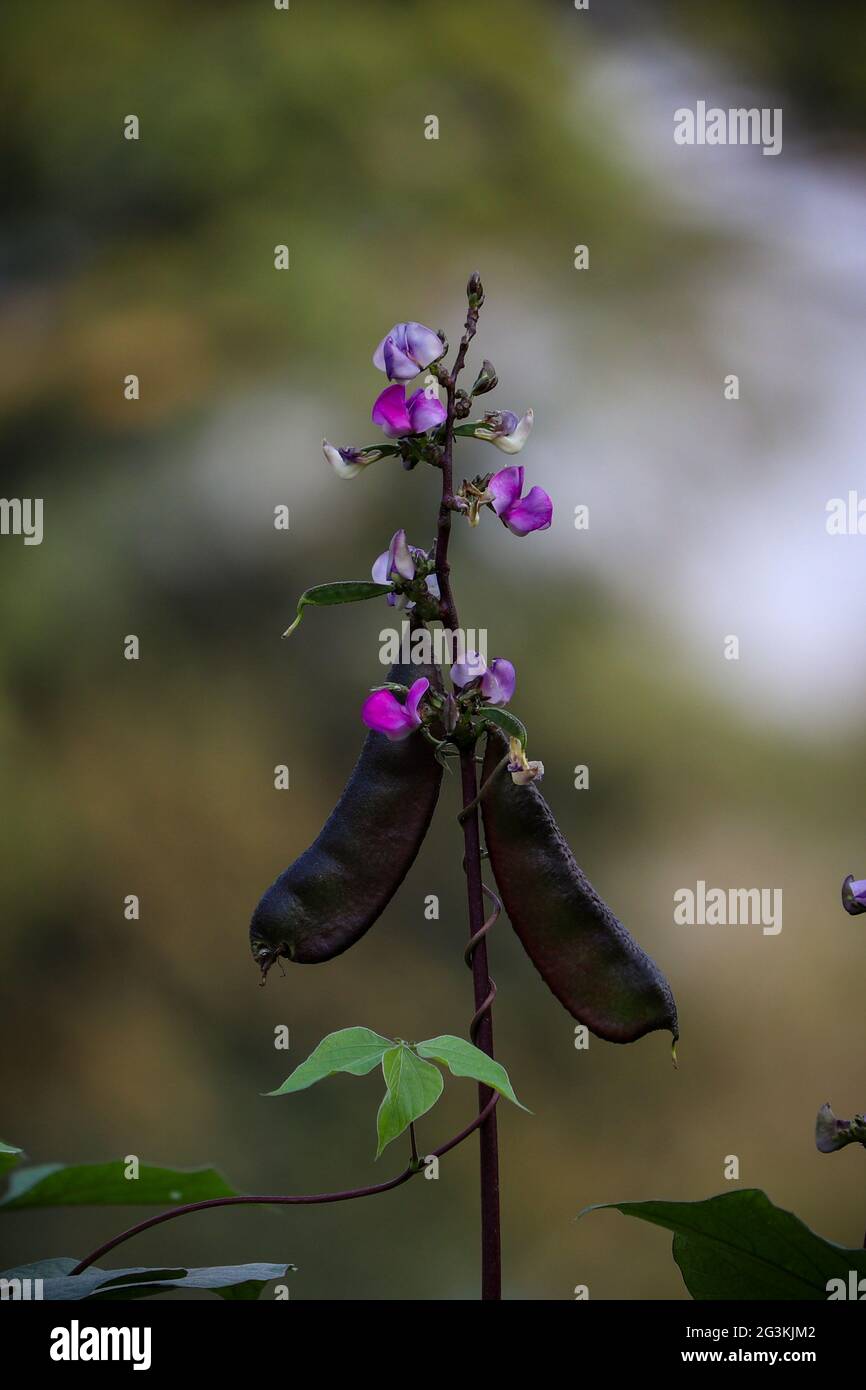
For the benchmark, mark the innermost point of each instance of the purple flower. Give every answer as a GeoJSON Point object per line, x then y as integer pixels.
{"type": "Point", "coordinates": [399, 562]}
{"type": "Point", "coordinates": [396, 562]}
{"type": "Point", "coordinates": [384, 714]}
{"type": "Point", "coordinates": [520, 514]}
{"type": "Point", "coordinates": [854, 895]}
{"type": "Point", "coordinates": [497, 680]}
{"type": "Point", "coordinates": [407, 350]}
{"type": "Point", "coordinates": [502, 428]}
{"type": "Point", "coordinates": [497, 686]}
{"type": "Point", "coordinates": [397, 416]}
{"type": "Point", "coordinates": [346, 463]}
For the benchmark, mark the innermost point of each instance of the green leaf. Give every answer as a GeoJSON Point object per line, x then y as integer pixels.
{"type": "Point", "coordinates": [355, 1050]}
{"type": "Point", "coordinates": [738, 1245]}
{"type": "Point", "coordinates": [9, 1156]}
{"type": "Point", "coordinates": [413, 1088]}
{"type": "Point", "coordinates": [104, 1184]}
{"type": "Point", "coordinates": [228, 1281]}
{"type": "Point", "coordinates": [341, 591]}
{"type": "Point", "coordinates": [506, 721]}
{"type": "Point", "coordinates": [465, 1059]}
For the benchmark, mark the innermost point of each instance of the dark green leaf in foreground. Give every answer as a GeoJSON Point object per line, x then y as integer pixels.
{"type": "Point", "coordinates": [227, 1281]}
{"type": "Point", "coordinates": [341, 591]}
{"type": "Point", "coordinates": [738, 1245]}
{"type": "Point", "coordinates": [104, 1184]}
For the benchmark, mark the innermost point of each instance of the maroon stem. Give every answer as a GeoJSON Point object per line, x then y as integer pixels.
{"type": "Point", "coordinates": [481, 1033]}
{"type": "Point", "coordinates": [302, 1200]}
{"type": "Point", "coordinates": [481, 1030]}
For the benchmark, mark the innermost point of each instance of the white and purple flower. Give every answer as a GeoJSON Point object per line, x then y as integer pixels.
{"type": "Point", "coordinates": [832, 1134]}
{"type": "Point", "coordinates": [505, 430]}
{"type": "Point", "coordinates": [407, 350]}
{"type": "Point", "coordinates": [520, 514]}
{"type": "Point", "coordinates": [383, 712]}
{"type": "Point", "coordinates": [397, 416]}
{"type": "Point", "coordinates": [497, 680]}
{"type": "Point", "coordinates": [347, 463]}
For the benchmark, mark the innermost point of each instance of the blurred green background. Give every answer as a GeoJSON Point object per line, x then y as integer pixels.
{"type": "Point", "coordinates": [155, 777]}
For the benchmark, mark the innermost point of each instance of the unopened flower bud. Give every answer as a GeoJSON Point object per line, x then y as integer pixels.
{"type": "Point", "coordinates": [486, 379]}
{"type": "Point", "coordinates": [449, 714]}
{"type": "Point", "coordinates": [854, 895]}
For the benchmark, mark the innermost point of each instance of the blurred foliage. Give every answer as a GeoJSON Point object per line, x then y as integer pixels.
{"type": "Point", "coordinates": [814, 56]}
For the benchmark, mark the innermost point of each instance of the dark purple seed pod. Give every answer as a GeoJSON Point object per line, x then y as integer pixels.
{"type": "Point", "coordinates": [591, 963]}
{"type": "Point", "coordinates": [329, 897]}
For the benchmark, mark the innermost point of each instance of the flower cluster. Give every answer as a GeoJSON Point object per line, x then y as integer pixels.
{"type": "Point", "coordinates": [419, 428]}
{"type": "Point", "coordinates": [415, 422]}
{"type": "Point", "coordinates": [476, 684]}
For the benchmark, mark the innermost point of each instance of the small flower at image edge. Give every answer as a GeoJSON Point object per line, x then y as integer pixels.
{"type": "Point", "coordinates": [407, 350]}
{"type": "Point", "coordinates": [832, 1134]}
{"type": "Point", "coordinates": [383, 713]}
{"type": "Point", "coordinates": [854, 895]}
{"type": "Point", "coordinates": [397, 416]}
{"type": "Point", "coordinates": [521, 515]}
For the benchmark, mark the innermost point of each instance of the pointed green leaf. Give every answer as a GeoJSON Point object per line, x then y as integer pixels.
{"type": "Point", "coordinates": [510, 725]}
{"type": "Point", "coordinates": [413, 1088]}
{"type": "Point", "coordinates": [104, 1184]}
{"type": "Point", "coordinates": [341, 591]}
{"type": "Point", "coordinates": [354, 1050]}
{"type": "Point", "coordinates": [738, 1245]}
{"type": "Point", "coordinates": [9, 1156]}
{"type": "Point", "coordinates": [227, 1281]}
{"type": "Point", "coordinates": [465, 1059]}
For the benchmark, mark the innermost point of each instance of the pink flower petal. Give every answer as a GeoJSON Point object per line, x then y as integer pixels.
{"type": "Point", "coordinates": [422, 344]}
{"type": "Point", "coordinates": [469, 669]}
{"type": "Point", "coordinates": [417, 691]}
{"type": "Point", "coordinates": [398, 364]}
{"type": "Point", "coordinates": [399, 558]}
{"type": "Point", "coordinates": [380, 569]}
{"type": "Point", "coordinates": [532, 513]}
{"type": "Point", "coordinates": [498, 684]}
{"type": "Point", "coordinates": [383, 713]}
{"type": "Point", "coordinates": [425, 412]}
{"type": "Point", "coordinates": [505, 487]}
{"type": "Point", "coordinates": [390, 413]}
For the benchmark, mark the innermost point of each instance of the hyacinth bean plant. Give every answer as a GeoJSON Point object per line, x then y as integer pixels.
{"type": "Point", "coordinates": [420, 719]}
{"type": "Point", "coordinates": [736, 1245]}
